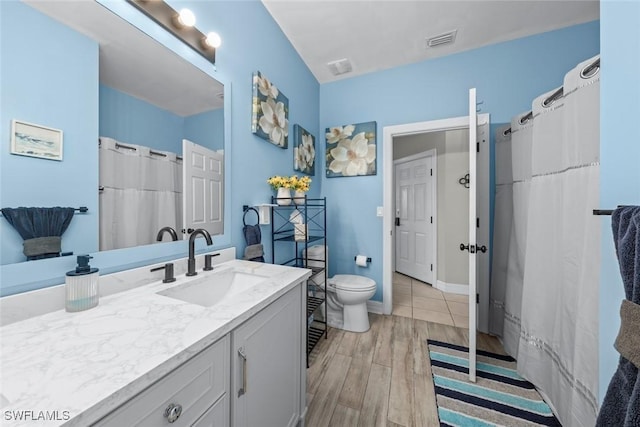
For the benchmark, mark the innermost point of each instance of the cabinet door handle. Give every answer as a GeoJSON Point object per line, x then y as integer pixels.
{"type": "Point", "coordinates": [243, 356]}
{"type": "Point", "coordinates": [173, 412]}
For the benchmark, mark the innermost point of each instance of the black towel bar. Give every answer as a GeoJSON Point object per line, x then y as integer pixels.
{"type": "Point", "coordinates": [602, 211]}
{"type": "Point", "coordinates": [81, 209]}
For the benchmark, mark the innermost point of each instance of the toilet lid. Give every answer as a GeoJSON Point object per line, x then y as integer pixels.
{"type": "Point", "coordinates": [351, 282]}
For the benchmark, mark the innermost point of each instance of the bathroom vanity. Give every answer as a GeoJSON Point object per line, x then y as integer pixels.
{"type": "Point", "coordinates": [146, 357]}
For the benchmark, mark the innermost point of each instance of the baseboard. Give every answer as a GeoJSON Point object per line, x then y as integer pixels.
{"type": "Point", "coordinates": [374, 307]}
{"type": "Point", "coordinates": [452, 288]}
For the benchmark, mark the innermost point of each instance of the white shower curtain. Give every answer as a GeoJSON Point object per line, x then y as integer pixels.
{"type": "Point", "coordinates": [141, 192]}
{"type": "Point", "coordinates": [558, 346]}
{"type": "Point", "coordinates": [521, 143]}
{"type": "Point", "coordinates": [503, 219]}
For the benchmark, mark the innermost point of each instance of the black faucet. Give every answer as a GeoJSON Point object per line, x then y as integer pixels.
{"type": "Point", "coordinates": [191, 263]}
{"type": "Point", "coordinates": [171, 231]}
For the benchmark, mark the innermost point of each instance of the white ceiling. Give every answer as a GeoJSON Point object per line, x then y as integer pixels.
{"type": "Point", "coordinates": [134, 63]}
{"type": "Point", "coordinates": [377, 35]}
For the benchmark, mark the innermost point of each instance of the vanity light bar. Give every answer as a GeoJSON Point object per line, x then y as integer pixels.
{"type": "Point", "coordinates": [166, 16]}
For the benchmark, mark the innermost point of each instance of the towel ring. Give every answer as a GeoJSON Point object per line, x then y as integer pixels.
{"type": "Point", "coordinates": [244, 217]}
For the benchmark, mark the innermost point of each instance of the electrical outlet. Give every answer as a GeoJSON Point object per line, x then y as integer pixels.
{"type": "Point", "coordinates": [379, 211]}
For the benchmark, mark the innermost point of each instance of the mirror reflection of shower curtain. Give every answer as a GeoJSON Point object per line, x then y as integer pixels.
{"type": "Point", "coordinates": [503, 220]}
{"type": "Point", "coordinates": [142, 192]}
{"type": "Point", "coordinates": [558, 348]}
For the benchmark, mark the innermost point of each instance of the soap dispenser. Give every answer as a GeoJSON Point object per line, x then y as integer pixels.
{"type": "Point", "coordinates": [81, 286]}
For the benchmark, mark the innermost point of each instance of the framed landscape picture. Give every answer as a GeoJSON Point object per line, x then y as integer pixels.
{"type": "Point", "coordinates": [28, 139]}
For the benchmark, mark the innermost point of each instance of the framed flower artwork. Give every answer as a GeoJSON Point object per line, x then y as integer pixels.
{"type": "Point", "coordinates": [351, 150]}
{"type": "Point", "coordinates": [304, 151]}
{"type": "Point", "coordinates": [270, 112]}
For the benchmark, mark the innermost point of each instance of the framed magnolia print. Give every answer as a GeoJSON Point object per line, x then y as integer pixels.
{"type": "Point", "coordinates": [28, 139]}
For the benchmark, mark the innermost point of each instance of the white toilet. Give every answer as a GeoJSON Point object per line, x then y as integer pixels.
{"type": "Point", "coordinates": [347, 296]}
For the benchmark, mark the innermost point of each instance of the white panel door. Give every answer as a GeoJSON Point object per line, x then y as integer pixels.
{"type": "Point", "coordinates": [473, 123]}
{"type": "Point", "coordinates": [415, 249]}
{"type": "Point", "coordinates": [203, 188]}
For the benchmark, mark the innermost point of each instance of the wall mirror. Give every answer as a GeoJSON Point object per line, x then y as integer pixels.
{"type": "Point", "coordinates": [133, 92]}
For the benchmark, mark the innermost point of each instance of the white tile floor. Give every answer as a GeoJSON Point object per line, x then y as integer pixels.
{"type": "Point", "coordinates": [418, 300]}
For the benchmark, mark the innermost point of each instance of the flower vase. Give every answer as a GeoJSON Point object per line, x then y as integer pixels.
{"type": "Point", "coordinates": [283, 196]}
{"type": "Point", "coordinates": [298, 197]}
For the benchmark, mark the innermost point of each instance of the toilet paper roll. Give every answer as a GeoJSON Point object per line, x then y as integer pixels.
{"type": "Point", "coordinates": [361, 260]}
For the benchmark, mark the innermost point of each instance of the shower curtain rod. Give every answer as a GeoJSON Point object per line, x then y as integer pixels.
{"type": "Point", "coordinates": [127, 147]}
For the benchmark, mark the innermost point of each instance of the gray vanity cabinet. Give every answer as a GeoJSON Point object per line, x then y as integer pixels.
{"type": "Point", "coordinates": [268, 366]}
{"type": "Point", "coordinates": [182, 396]}
{"type": "Point", "coordinates": [253, 376]}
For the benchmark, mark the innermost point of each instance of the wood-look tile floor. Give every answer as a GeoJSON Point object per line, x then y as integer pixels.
{"type": "Point", "coordinates": [419, 300]}
{"type": "Point", "coordinates": [381, 377]}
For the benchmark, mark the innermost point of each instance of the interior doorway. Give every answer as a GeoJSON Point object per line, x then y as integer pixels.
{"type": "Point", "coordinates": [415, 211]}
{"type": "Point", "coordinates": [411, 140]}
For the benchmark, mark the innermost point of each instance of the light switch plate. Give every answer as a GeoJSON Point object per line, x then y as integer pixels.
{"type": "Point", "coordinates": [379, 211]}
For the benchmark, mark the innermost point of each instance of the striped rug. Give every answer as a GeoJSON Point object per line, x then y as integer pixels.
{"type": "Point", "coordinates": [500, 397]}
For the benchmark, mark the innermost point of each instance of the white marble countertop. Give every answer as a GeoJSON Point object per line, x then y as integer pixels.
{"type": "Point", "coordinates": [81, 366]}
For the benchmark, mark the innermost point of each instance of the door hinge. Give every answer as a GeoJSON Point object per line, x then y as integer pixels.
{"type": "Point", "coordinates": [431, 220]}
{"type": "Point", "coordinates": [431, 172]}
{"type": "Point", "coordinates": [477, 222]}
{"type": "Point", "coordinates": [477, 298]}
{"type": "Point", "coordinates": [431, 267]}
{"type": "Point", "coordinates": [477, 147]}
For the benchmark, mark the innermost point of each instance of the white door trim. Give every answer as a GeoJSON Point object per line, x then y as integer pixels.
{"type": "Point", "coordinates": [389, 132]}
{"type": "Point", "coordinates": [433, 153]}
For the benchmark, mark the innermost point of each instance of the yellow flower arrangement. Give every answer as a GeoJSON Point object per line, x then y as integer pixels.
{"type": "Point", "coordinates": [277, 181]}
{"type": "Point", "coordinates": [300, 184]}
{"type": "Point", "coordinates": [292, 182]}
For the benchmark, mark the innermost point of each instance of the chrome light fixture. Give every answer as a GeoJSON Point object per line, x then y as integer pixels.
{"type": "Point", "coordinates": [182, 25]}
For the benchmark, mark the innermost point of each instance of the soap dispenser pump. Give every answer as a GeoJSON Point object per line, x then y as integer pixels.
{"type": "Point", "coordinates": [81, 286]}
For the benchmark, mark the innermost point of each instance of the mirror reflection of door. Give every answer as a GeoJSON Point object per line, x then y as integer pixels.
{"type": "Point", "coordinates": [203, 186]}
{"type": "Point", "coordinates": [415, 191]}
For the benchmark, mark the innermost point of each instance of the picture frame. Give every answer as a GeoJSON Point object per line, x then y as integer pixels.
{"type": "Point", "coordinates": [270, 112]}
{"type": "Point", "coordinates": [304, 151]}
{"type": "Point", "coordinates": [33, 140]}
{"type": "Point", "coordinates": [351, 150]}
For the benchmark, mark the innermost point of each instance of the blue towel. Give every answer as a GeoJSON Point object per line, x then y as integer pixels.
{"type": "Point", "coordinates": [40, 228]}
{"type": "Point", "coordinates": [621, 405]}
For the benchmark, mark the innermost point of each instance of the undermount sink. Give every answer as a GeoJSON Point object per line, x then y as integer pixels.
{"type": "Point", "coordinates": [212, 288]}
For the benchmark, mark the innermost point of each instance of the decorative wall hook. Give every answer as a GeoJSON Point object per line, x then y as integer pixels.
{"type": "Point", "coordinates": [464, 181]}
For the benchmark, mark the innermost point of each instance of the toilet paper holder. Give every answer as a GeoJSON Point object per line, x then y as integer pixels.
{"type": "Point", "coordinates": [368, 258]}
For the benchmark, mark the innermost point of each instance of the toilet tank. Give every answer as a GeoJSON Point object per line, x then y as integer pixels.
{"type": "Point", "coordinates": [316, 259]}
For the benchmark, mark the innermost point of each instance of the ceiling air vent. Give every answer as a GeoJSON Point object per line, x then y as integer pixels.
{"type": "Point", "coordinates": [341, 66]}
{"type": "Point", "coordinates": [441, 39]}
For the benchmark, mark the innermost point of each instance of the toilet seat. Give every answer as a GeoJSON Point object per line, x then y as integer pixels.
{"type": "Point", "coordinates": [352, 283]}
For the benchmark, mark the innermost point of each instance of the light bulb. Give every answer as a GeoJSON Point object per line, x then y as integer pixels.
{"type": "Point", "coordinates": [186, 18]}
{"type": "Point", "coordinates": [213, 40]}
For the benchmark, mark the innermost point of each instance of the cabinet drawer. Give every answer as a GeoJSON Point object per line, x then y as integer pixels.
{"type": "Point", "coordinates": [217, 415]}
{"type": "Point", "coordinates": [195, 386]}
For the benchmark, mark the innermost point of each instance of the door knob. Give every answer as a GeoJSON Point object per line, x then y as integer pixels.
{"type": "Point", "coordinates": [470, 248]}
{"type": "Point", "coordinates": [482, 249]}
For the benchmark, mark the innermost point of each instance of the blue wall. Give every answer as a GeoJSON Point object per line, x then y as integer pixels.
{"type": "Point", "coordinates": [508, 76]}
{"type": "Point", "coordinates": [126, 119]}
{"type": "Point", "coordinates": [251, 41]}
{"type": "Point", "coordinates": [131, 120]}
{"type": "Point", "coordinates": [206, 129]}
{"type": "Point", "coordinates": [619, 156]}
{"type": "Point", "coordinates": [32, 42]}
